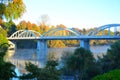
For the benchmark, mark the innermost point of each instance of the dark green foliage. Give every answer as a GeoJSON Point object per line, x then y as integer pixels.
{"type": "Point", "coordinates": [111, 60]}
{"type": "Point", "coordinates": [6, 68]}
{"type": "Point", "coordinates": [112, 75]}
{"type": "Point", "coordinates": [49, 72]}
{"type": "Point", "coordinates": [10, 27]}
{"type": "Point", "coordinates": [2, 9]}
{"type": "Point", "coordinates": [81, 64]}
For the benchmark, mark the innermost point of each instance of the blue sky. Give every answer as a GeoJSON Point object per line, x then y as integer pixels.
{"type": "Point", "coordinates": [73, 13]}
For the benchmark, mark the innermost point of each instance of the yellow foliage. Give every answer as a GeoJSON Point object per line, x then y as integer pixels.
{"type": "Point", "coordinates": [56, 44]}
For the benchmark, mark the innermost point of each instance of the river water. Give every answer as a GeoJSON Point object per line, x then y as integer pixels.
{"type": "Point", "coordinates": [20, 56]}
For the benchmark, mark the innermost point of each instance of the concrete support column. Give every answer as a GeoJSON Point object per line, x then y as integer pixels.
{"type": "Point", "coordinates": [85, 44]}
{"type": "Point", "coordinates": [42, 51]}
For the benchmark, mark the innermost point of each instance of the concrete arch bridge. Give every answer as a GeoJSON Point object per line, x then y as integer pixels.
{"type": "Point", "coordinates": [105, 32]}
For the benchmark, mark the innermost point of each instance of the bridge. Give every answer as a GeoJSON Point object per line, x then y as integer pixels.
{"type": "Point", "coordinates": [109, 32]}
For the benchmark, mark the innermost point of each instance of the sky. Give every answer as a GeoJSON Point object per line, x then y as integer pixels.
{"type": "Point", "coordinates": [73, 13]}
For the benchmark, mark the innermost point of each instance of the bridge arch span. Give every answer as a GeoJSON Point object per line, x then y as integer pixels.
{"type": "Point", "coordinates": [105, 27]}
{"type": "Point", "coordinates": [16, 34]}
{"type": "Point", "coordinates": [62, 32]}
{"type": "Point", "coordinates": [25, 33]}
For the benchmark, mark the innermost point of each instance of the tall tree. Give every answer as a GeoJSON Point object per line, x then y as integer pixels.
{"type": "Point", "coordinates": [111, 60]}
{"type": "Point", "coordinates": [44, 25]}
{"type": "Point", "coordinates": [80, 64]}
{"type": "Point", "coordinates": [6, 68]}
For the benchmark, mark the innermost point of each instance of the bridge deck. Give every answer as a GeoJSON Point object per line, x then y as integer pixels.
{"type": "Point", "coordinates": [68, 38]}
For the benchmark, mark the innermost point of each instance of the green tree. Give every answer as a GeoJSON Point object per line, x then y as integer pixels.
{"type": "Point", "coordinates": [111, 60]}
{"type": "Point", "coordinates": [6, 68]}
{"type": "Point", "coordinates": [3, 39]}
{"type": "Point", "coordinates": [13, 10]}
{"type": "Point", "coordinates": [10, 27]}
{"type": "Point", "coordinates": [3, 32]}
{"type": "Point", "coordinates": [112, 75]}
{"type": "Point", "coordinates": [80, 64]}
{"type": "Point", "coordinates": [2, 9]}
{"type": "Point", "coordinates": [49, 72]}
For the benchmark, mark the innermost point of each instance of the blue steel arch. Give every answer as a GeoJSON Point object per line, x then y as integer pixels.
{"type": "Point", "coordinates": [52, 31]}
{"type": "Point", "coordinates": [101, 28]}
{"type": "Point", "coordinates": [25, 33]}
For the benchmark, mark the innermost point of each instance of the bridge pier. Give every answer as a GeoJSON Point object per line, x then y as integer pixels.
{"type": "Point", "coordinates": [85, 44]}
{"type": "Point", "coordinates": [42, 51]}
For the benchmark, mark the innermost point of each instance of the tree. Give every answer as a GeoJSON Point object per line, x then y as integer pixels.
{"type": "Point", "coordinates": [13, 10]}
{"type": "Point", "coordinates": [44, 23]}
{"type": "Point", "coordinates": [2, 10]}
{"type": "Point", "coordinates": [112, 75]}
{"type": "Point", "coordinates": [22, 25]}
{"type": "Point", "coordinates": [84, 31]}
{"type": "Point", "coordinates": [80, 64]}
{"type": "Point", "coordinates": [49, 72]}
{"type": "Point", "coordinates": [6, 68]}
{"type": "Point", "coordinates": [10, 27]}
{"type": "Point", "coordinates": [3, 32]}
{"type": "Point", "coordinates": [111, 60]}
{"type": "Point", "coordinates": [3, 39]}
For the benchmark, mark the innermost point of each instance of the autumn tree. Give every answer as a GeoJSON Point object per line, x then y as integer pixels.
{"type": "Point", "coordinates": [14, 9]}
{"type": "Point", "coordinates": [9, 10]}
{"type": "Point", "coordinates": [22, 25]}
{"type": "Point", "coordinates": [44, 26]}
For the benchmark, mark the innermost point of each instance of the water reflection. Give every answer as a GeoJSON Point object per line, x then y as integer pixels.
{"type": "Point", "coordinates": [20, 56]}
{"type": "Point", "coordinates": [17, 73]}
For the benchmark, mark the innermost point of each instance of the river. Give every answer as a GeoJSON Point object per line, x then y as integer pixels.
{"type": "Point", "coordinates": [20, 56]}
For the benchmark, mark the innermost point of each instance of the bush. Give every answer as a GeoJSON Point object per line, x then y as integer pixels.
{"type": "Point", "coordinates": [112, 75]}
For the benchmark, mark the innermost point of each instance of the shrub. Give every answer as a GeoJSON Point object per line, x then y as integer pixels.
{"type": "Point", "coordinates": [112, 75]}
